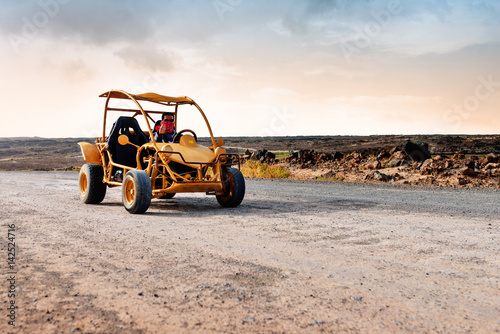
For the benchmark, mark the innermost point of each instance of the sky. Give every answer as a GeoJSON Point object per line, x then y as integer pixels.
{"type": "Point", "coordinates": [256, 68]}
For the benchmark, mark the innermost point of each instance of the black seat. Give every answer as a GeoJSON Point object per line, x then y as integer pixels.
{"type": "Point", "coordinates": [126, 154]}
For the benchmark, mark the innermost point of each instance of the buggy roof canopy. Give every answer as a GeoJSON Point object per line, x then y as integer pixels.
{"type": "Point", "coordinates": [151, 97]}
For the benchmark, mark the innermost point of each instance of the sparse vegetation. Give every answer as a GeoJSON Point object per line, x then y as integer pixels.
{"type": "Point", "coordinates": [337, 177]}
{"type": "Point", "coordinates": [258, 169]}
{"type": "Point", "coordinates": [281, 155]}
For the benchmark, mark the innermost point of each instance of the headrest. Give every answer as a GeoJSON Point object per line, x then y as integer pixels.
{"type": "Point", "coordinates": [188, 141]}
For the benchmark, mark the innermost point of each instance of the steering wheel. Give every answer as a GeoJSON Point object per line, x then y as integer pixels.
{"type": "Point", "coordinates": [178, 136]}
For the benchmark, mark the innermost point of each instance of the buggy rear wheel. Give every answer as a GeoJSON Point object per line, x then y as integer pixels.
{"type": "Point", "coordinates": [92, 189]}
{"type": "Point", "coordinates": [136, 191]}
{"type": "Point", "coordinates": [168, 196]}
{"type": "Point", "coordinates": [234, 190]}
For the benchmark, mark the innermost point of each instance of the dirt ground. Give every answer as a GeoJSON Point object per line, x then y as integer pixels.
{"type": "Point", "coordinates": [294, 257]}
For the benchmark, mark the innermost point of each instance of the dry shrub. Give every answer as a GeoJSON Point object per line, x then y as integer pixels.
{"type": "Point", "coordinates": [258, 169]}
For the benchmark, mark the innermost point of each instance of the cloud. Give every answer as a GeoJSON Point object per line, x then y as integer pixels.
{"type": "Point", "coordinates": [146, 57]}
{"type": "Point", "coordinates": [402, 27]}
{"type": "Point", "coordinates": [91, 21]}
{"type": "Point", "coordinates": [419, 27]}
{"type": "Point", "coordinates": [76, 70]}
{"type": "Point", "coordinates": [105, 22]}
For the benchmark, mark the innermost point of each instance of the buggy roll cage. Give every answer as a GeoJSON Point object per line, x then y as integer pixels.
{"type": "Point", "coordinates": [155, 98]}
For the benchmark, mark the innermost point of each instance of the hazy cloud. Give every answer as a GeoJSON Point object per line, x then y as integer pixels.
{"type": "Point", "coordinates": [414, 27]}
{"type": "Point", "coordinates": [147, 57]}
{"type": "Point", "coordinates": [91, 21]}
{"type": "Point", "coordinates": [418, 25]}
{"type": "Point", "coordinates": [76, 70]}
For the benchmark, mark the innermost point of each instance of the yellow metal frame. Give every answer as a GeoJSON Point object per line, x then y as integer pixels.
{"type": "Point", "coordinates": [208, 176]}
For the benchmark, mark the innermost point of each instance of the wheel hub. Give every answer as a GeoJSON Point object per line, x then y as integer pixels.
{"type": "Point", "coordinates": [129, 191]}
{"type": "Point", "coordinates": [83, 183]}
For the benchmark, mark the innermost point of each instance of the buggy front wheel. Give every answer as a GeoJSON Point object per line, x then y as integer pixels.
{"type": "Point", "coordinates": [136, 191]}
{"type": "Point", "coordinates": [234, 188]}
{"type": "Point", "coordinates": [92, 189]}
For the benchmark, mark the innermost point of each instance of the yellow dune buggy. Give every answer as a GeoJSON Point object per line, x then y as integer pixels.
{"type": "Point", "coordinates": [130, 156]}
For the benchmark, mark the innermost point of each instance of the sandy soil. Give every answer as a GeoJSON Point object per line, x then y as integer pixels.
{"type": "Point", "coordinates": [294, 257]}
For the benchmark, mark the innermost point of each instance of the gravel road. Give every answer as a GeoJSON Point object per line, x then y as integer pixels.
{"type": "Point", "coordinates": [294, 257]}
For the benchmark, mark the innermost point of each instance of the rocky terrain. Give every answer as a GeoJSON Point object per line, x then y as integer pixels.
{"type": "Point", "coordinates": [464, 161]}
{"type": "Point", "coordinates": [438, 144]}
{"type": "Point", "coordinates": [441, 160]}
{"type": "Point", "coordinates": [411, 163]}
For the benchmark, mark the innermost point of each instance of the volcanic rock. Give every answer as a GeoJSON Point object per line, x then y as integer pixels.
{"type": "Point", "coordinates": [417, 151]}
{"type": "Point", "coordinates": [373, 164]}
{"type": "Point", "coordinates": [263, 156]}
{"type": "Point", "coordinates": [466, 171]}
{"type": "Point", "coordinates": [488, 159]}
{"type": "Point", "coordinates": [458, 156]}
{"type": "Point", "coordinates": [492, 165]}
{"type": "Point", "coordinates": [337, 155]}
{"type": "Point", "coordinates": [377, 176]}
{"type": "Point", "coordinates": [383, 155]}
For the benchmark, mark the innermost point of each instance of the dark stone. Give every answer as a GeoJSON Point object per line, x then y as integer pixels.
{"type": "Point", "coordinates": [337, 155]}
{"type": "Point", "coordinates": [263, 156]}
{"type": "Point", "coordinates": [405, 163]}
{"type": "Point", "coordinates": [394, 150]}
{"type": "Point", "coordinates": [373, 164]}
{"type": "Point", "coordinates": [394, 163]}
{"type": "Point", "coordinates": [471, 164]}
{"type": "Point", "coordinates": [466, 171]}
{"type": "Point", "coordinates": [492, 157]}
{"type": "Point", "coordinates": [418, 151]}
{"type": "Point", "coordinates": [306, 155]}
{"type": "Point", "coordinates": [383, 155]}
{"type": "Point", "coordinates": [381, 177]}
